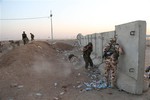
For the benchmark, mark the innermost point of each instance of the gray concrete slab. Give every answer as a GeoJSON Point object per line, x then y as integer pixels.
{"type": "Point", "coordinates": [131, 65]}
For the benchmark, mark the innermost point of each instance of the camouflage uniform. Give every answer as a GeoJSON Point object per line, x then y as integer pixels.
{"type": "Point", "coordinates": [87, 50]}
{"type": "Point", "coordinates": [148, 71]}
{"type": "Point", "coordinates": [111, 54]}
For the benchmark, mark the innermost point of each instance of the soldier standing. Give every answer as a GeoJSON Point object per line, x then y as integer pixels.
{"type": "Point", "coordinates": [1, 47]}
{"type": "Point", "coordinates": [111, 54]}
{"type": "Point", "coordinates": [25, 38]}
{"type": "Point", "coordinates": [32, 36]}
{"type": "Point", "coordinates": [87, 50]}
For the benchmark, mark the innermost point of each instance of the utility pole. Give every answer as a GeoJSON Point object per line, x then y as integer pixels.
{"type": "Point", "coordinates": [51, 25]}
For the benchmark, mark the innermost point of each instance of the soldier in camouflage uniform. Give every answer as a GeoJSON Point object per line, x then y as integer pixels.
{"type": "Point", "coordinates": [111, 54]}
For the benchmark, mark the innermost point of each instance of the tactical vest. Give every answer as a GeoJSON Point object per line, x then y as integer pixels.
{"type": "Point", "coordinates": [112, 51]}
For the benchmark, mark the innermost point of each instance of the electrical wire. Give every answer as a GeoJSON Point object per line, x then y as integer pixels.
{"type": "Point", "coordinates": [26, 18]}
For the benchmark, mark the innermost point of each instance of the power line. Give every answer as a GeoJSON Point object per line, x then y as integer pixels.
{"type": "Point", "coordinates": [26, 18]}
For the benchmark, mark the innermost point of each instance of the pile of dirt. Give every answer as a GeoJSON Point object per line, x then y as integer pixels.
{"type": "Point", "coordinates": [62, 46]}
{"type": "Point", "coordinates": [26, 54]}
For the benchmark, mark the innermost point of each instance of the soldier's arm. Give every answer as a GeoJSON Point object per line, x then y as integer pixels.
{"type": "Point", "coordinates": [86, 48]}
{"type": "Point", "coordinates": [147, 69]}
{"type": "Point", "coordinates": [121, 51]}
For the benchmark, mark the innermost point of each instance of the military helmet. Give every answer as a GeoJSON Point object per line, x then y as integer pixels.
{"type": "Point", "coordinates": [113, 40]}
{"type": "Point", "coordinates": [90, 43]}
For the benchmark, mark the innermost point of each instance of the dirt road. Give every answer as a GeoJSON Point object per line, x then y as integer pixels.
{"type": "Point", "coordinates": [41, 71]}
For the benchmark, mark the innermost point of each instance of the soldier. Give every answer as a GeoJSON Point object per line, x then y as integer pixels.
{"type": "Point", "coordinates": [111, 54]}
{"type": "Point", "coordinates": [32, 36]}
{"type": "Point", "coordinates": [86, 55]}
{"type": "Point", "coordinates": [25, 38]}
{"type": "Point", "coordinates": [1, 47]}
{"type": "Point", "coordinates": [148, 71]}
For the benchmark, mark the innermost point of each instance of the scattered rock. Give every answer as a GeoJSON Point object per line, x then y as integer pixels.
{"type": "Point", "coordinates": [110, 93]}
{"type": "Point", "coordinates": [13, 85]}
{"type": "Point", "coordinates": [62, 93]}
{"type": "Point", "coordinates": [79, 74]}
{"type": "Point", "coordinates": [38, 94]}
{"type": "Point", "coordinates": [56, 98]}
{"type": "Point", "coordinates": [55, 84]}
{"type": "Point", "coordinates": [64, 86]}
{"type": "Point", "coordinates": [78, 82]}
{"type": "Point", "coordinates": [79, 86]}
{"type": "Point", "coordinates": [20, 86]}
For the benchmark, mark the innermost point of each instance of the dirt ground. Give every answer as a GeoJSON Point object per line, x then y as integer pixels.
{"type": "Point", "coordinates": [42, 71]}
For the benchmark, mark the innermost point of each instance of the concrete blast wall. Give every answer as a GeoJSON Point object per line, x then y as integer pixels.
{"type": "Point", "coordinates": [131, 36]}
{"type": "Point", "coordinates": [131, 66]}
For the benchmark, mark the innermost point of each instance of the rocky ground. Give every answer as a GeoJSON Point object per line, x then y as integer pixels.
{"type": "Point", "coordinates": [41, 70]}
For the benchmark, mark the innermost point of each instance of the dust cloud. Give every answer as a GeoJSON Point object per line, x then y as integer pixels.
{"type": "Point", "coordinates": [43, 66]}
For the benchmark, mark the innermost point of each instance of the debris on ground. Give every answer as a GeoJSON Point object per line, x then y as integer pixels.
{"type": "Point", "coordinates": [55, 84]}
{"type": "Point", "coordinates": [62, 93]}
{"type": "Point", "coordinates": [38, 94]}
{"type": "Point", "coordinates": [13, 85]}
{"type": "Point", "coordinates": [20, 86]}
{"type": "Point", "coordinates": [96, 82]}
{"type": "Point", "coordinates": [57, 98]}
{"type": "Point", "coordinates": [16, 85]}
{"type": "Point", "coordinates": [94, 85]}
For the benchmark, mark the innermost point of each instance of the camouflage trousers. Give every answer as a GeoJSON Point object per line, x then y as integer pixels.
{"type": "Point", "coordinates": [110, 72]}
{"type": "Point", "coordinates": [25, 41]}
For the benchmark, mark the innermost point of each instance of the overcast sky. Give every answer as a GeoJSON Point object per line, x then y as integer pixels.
{"type": "Point", "coordinates": [70, 17]}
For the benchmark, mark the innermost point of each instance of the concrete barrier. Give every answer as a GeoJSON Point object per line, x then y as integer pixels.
{"type": "Point", "coordinates": [131, 66]}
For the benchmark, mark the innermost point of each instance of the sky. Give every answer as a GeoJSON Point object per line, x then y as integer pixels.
{"type": "Point", "coordinates": [70, 17]}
